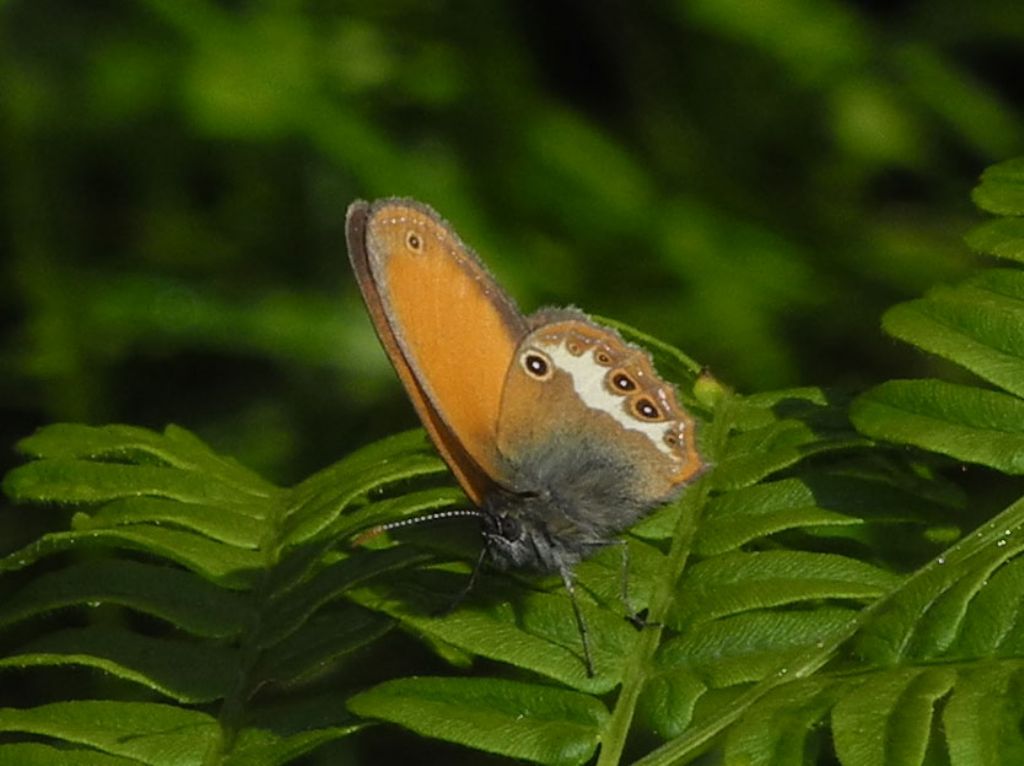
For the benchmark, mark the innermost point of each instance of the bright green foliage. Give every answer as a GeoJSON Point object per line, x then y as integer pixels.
{"type": "Point", "coordinates": [239, 572]}
{"type": "Point", "coordinates": [752, 180]}
{"type": "Point", "coordinates": [979, 325]}
{"type": "Point", "coordinates": [258, 589]}
{"type": "Point", "coordinates": [526, 721]}
{"type": "Point", "coordinates": [813, 596]}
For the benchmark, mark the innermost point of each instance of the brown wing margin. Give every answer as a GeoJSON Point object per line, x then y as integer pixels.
{"type": "Point", "coordinates": [473, 479]}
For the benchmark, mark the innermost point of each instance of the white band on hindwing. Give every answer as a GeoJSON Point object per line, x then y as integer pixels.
{"type": "Point", "coordinates": [588, 381]}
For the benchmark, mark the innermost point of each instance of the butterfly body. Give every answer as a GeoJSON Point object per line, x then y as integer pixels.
{"type": "Point", "coordinates": [561, 506]}
{"type": "Point", "coordinates": [560, 431]}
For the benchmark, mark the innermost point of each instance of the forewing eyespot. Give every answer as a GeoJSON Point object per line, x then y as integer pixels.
{"type": "Point", "coordinates": [414, 241]}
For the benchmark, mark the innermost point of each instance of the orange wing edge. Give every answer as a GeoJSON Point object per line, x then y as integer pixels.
{"type": "Point", "coordinates": [471, 477]}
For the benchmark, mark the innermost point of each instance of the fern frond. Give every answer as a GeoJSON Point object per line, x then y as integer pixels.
{"type": "Point", "coordinates": [810, 593]}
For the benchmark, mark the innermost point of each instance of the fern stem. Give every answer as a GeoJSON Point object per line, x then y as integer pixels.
{"type": "Point", "coordinates": [639, 667]}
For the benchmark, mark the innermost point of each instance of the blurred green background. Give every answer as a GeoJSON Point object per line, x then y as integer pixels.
{"type": "Point", "coordinates": [752, 181]}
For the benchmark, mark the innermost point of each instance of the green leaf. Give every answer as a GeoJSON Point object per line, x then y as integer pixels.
{"type": "Point", "coordinates": [669, 697]}
{"type": "Point", "coordinates": [620, 577]}
{"type": "Point", "coordinates": [1003, 237]}
{"type": "Point", "coordinates": [784, 728]}
{"type": "Point", "coordinates": [981, 717]}
{"type": "Point", "coordinates": [979, 325]}
{"type": "Point", "coordinates": [179, 597]}
{"type": "Point", "coordinates": [992, 614]}
{"type": "Point", "coordinates": [257, 746]}
{"type": "Point", "coordinates": [185, 671]}
{"type": "Point", "coordinates": [324, 639]}
{"type": "Point", "coordinates": [83, 481]}
{"type": "Point", "coordinates": [529, 630]}
{"type": "Point", "coordinates": [821, 409]}
{"type": "Point", "coordinates": [176, 448]}
{"type": "Point", "coordinates": [524, 721]}
{"type": "Point", "coordinates": [755, 455]}
{"type": "Point", "coordinates": [945, 607]}
{"type": "Point", "coordinates": [776, 431]}
{"type": "Point", "coordinates": [316, 505]}
{"type": "Point", "coordinates": [217, 522]}
{"type": "Point", "coordinates": [747, 647]}
{"type": "Point", "coordinates": [1001, 190]}
{"type": "Point", "coordinates": [903, 701]}
{"type": "Point", "coordinates": [739, 582]}
{"type": "Point", "coordinates": [964, 422]}
{"type": "Point", "coordinates": [229, 566]}
{"type": "Point", "coordinates": [31, 754]}
{"type": "Point", "coordinates": [815, 501]}
{"type": "Point", "coordinates": [381, 457]}
{"type": "Point", "coordinates": [277, 580]}
{"type": "Point", "coordinates": [138, 732]}
{"type": "Point", "coordinates": [291, 606]}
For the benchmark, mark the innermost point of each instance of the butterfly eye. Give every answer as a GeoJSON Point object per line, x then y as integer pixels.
{"type": "Point", "coordinates": [509, 528]}
{"type": "Point", "coordinates": [622, 382]}
{"type": "Point", "coordinates": [645, 409]}
{"type": "Point", "coordinates": [413, 241]}
{"type": "Point", "coordinates": [537, 365]}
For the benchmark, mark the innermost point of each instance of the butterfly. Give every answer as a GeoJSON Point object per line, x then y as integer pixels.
{"type": "Point", "coordinates": [560, 432]}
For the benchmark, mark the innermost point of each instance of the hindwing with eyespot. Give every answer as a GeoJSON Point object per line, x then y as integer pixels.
{"type": "Point", "coordinates": [593, 368]}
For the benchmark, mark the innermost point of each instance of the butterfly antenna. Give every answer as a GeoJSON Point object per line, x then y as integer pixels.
{"type": "Point", "coordinates": [372, 532]}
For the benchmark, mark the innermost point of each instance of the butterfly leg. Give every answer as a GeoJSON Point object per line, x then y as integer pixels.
{"type": "Point", "coordinates": [581, 625]}
{"type": "Point", "coordinates": [635, 617]}
{"type": "Point", "coordinates": [624, 548]}
{"type": "Point", "coordinates": [468, 588]}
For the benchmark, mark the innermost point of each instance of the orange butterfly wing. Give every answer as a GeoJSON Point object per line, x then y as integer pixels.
{"type": "Point", "coordinates": [448, 328]}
